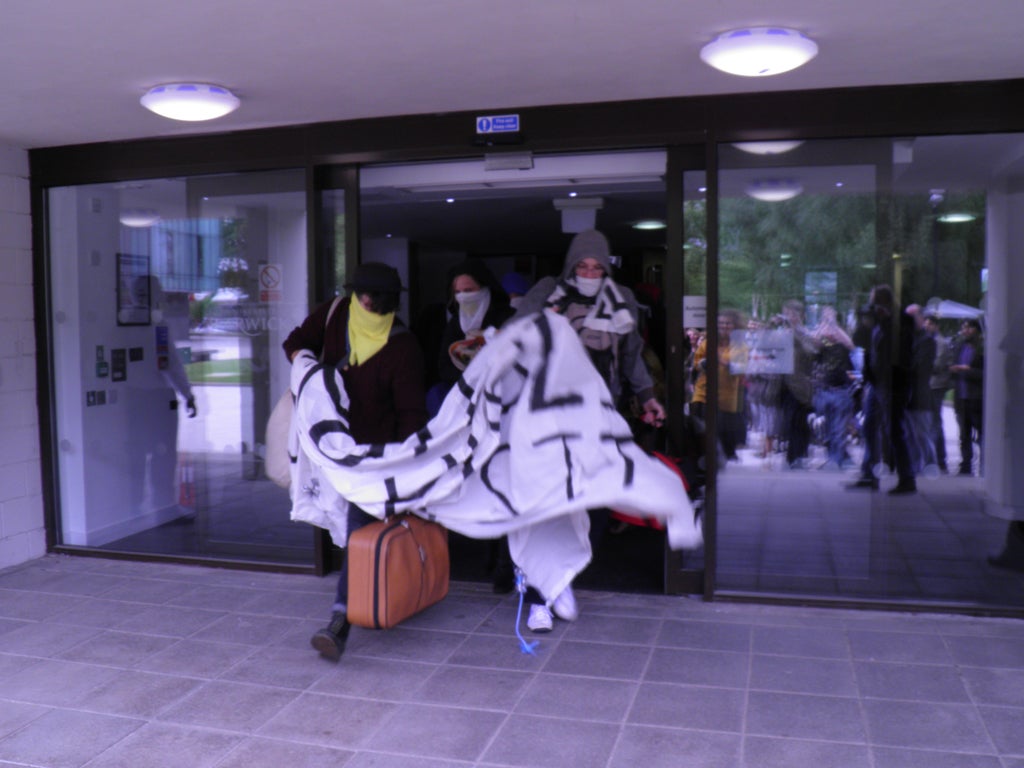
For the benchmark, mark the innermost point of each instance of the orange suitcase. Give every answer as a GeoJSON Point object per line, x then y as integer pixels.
{"type": "Point", "coordinates": [396, 568]}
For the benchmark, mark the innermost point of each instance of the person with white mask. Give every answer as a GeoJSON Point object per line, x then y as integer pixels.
{"type": "Point", "coordinates": [606, 317]}
{"type": "Point", "coordinates": [477, 302]}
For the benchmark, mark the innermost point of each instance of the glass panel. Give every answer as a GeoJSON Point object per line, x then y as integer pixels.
{"type": "Point", "coordinates": [170, 292]}
{"type": "Point", "coordinates": [835, 478]}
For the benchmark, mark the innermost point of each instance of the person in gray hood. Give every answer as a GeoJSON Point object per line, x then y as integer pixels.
{"type": "Point", "coordinates": [605, 315]}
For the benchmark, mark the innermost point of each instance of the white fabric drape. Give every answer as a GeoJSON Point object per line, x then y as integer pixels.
{"type": "Point", "coordinates": [523, 445]}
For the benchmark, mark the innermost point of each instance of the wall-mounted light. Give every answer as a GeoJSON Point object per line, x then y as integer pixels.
{"type": "Point", "coordinates": [139, 217]}
{"type": "Point", "coordinates": [774, 190]}
{"type": "Point", "coordinates": [767, 147]}
{"type": "Point", "coordinates": [190, 101]}
{"type": "Point", "coordinates": [759, 51]}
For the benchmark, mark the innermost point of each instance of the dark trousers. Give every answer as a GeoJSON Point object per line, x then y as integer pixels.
{"type": "Point", "coordinates": [357, 519]}
{"type": "Point", "coordinates": [968, 419]}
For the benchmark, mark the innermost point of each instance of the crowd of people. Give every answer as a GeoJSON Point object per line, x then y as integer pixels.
{"type": "Point", "coordinates": [870, 392]}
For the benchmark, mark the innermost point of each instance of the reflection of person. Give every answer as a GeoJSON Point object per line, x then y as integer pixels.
{"type": "Point", "coordinates": [968, 365]}
{"type": "Point", "coordinates": [939, 383]}
{"type": "Point", "coordinates": [154, 384]}
{"type": "Point", "coordinates": [884, 395]}
{"type": "Point", "coordinates": [918, 428]}
{"type": "Point", "coordinates": [382, 368]}
{"type": "Point", "coordinates": [729, 416]}
{"type": "Point", "coordinates": [832, 397]}
{"type": "Point", "coordinates": [605, 316]}
{"type": "Point", "coordinates": [797, 393]}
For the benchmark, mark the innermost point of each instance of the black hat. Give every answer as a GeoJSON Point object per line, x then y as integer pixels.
{"type": "Point", "coordinates": [374, 277]}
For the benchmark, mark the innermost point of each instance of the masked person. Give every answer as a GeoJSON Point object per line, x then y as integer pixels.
{"type": "Point", "coordinates": [606, 317]}
{"type": "Point", "coordinates": [477, 303]}
{"type": "Point", "coordinates": [382, 367]}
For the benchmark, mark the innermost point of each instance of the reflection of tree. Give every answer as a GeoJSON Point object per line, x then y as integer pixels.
{"type": "Point", "coordinates": [233, 268]}
{"type": "Point", "coordinates": [767, 249]}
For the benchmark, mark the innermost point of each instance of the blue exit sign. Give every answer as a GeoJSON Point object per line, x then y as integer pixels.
{"type": "Point", "coordinates": [498, 124]}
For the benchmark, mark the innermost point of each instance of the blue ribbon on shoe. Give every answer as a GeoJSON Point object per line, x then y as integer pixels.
{"type": "Point", "coordinates": [524, 645]}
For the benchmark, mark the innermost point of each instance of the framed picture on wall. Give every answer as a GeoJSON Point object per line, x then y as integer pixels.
{"type": "Point", "coordinates": [134, 295]}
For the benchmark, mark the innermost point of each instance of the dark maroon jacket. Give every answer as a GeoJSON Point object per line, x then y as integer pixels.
{"type": "Point", "coordinates": [385, 392]}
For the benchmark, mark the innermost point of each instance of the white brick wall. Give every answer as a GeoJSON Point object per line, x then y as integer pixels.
{"type": "Point", "coordinates": [22, 535]}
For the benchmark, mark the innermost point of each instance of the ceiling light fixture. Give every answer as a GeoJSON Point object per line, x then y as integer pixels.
{"type": "Point", "coordinates": [957, 218]}
{"type": "Point", "coordinates": [759, 51]}
{"type": "Point", "coordinates": [649, 224]}
{"type": "Point", "coordinates": [767, 147]}
{"type": "Point", "coordinates": [190, 101]}
{"type": "Point", "coordinates": [774, 190]}
{"type": "Point", "coordinates": [139, 217]}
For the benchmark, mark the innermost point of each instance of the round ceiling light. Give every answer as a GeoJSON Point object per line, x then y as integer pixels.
{"type": "Point", "coordinates": [190, 101]}
{"type": "Point", "coordinates": [957, 218]}
{"type": "Point", "coordinates": [759, 51]}
{"type": "Point", "coordinates": [774, 190]}
{"type": "Point", "coordinates": [139, 217]}
{"type": "Point", "coordinates": [767, 147]}
{"type": "Point", "coordinates": [649, 224]}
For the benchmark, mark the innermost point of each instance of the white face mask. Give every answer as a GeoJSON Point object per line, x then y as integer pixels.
{"type": "Point", "coordinates": [472, 308]}
{"type": "Point", "coordinates": [468, 300]}
{"type": "Point", "coordinates": [588, 286]}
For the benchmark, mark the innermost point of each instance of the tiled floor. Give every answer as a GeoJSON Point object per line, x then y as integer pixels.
{"type": "Point", "coordinates": [111, 663]}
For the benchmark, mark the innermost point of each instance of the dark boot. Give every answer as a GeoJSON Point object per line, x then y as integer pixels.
{"type": "Point", "coordinates": [330, 641]}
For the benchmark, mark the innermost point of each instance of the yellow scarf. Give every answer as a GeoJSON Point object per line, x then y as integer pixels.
{"type": "Point", "coordinates": [367, 331]}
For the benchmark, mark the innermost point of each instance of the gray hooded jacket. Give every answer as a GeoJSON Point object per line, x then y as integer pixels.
{"type": "Point", "coordinates": [632, 370]}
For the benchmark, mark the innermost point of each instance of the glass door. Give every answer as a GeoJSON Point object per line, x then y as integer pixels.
{"type": "Point", "coordinates": [171, 299]}
{"type": "Point", "coordinates": [854, 407]}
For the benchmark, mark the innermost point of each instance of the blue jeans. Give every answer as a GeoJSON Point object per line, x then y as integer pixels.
{"type": "Point", "coordinates": [836, 405]}
{"type": "Point", "coordinates": [357, 519]}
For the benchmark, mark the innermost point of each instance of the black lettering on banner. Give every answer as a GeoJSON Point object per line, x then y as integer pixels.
{"type": "Point", "coordinates": [423, 436]}
{"type": "Point", "coordinates": [334, 391]}
{"type": "Point", "coordinates": [629, 465]}
{"type": "Point", "coordinates": [486, 479]}
{"type": "Point", "coordinates": [539, 400]}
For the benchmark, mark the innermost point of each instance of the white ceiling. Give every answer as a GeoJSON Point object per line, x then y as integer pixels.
{"type": "Point", "coordinates": [72, 71]}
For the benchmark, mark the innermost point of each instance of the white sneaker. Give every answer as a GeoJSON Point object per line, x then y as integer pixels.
{"type": "Point", "coordinates": [565, 605]}
{"type": "Point", "coordinates": [539, 619]}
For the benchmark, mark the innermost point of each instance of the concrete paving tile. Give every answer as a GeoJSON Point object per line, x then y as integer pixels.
{"type": "Point", "coordinates": [798, 675]}
{"type": "Point", "coordinates": [800, 716]}
{"type": "Point", "coordinates": [65, 738]}
{"type": "Point", "coordinates": [762, 752]}
{"type": "Point", "coordinates": [579, 698]}
{"type": "Point", "coordinates": [671, 748]}
{"type": "Point", "coordinates": [927, 725]}
{"type": "Point", "coordinates": [452, 733]}
{"type": "Point", "coordinates": [620, 662]}
{"type": "Point", "coordinates": [229, 706]}
{"type": "Point", "coordinates": [160, 745]}
{"type": "Point", "coordinates": [256, 752]}
{"type": "Point", "coordinates": [331, 721]}
{"type": "Point", "coordinates": [916, 682]}
{"type": "Point", "coordinates": [689, 706]}
{"type": "Point", "coordinates": [543, 742]}
{"type": "Point", "coordinates": [495, 689]}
